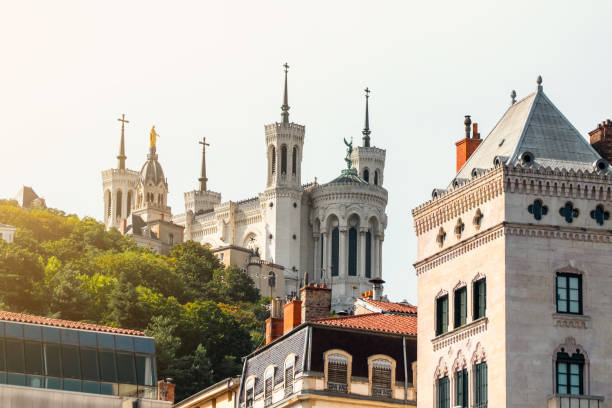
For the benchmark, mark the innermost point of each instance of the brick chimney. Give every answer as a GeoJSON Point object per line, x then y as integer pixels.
{"type": "Point", "coordinates": [292, 315]}
{"type": "Point", "coordinates": [467, 145]}
{"type": "Point", "coordinates": [274, 324]}
{"type": "Point", "coordinates": [601, 139]}
{"type": "Point", "coordinates": [316, 302]}
{"type": "Point", "coordinates": [165, 390]}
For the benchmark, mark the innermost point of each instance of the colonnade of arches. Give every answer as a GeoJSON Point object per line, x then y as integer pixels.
{"type": "Point", "coordinates": [279, 162]}
{"type": "Point", "coordinates": [352, 249]}
{"type": "Point", "coordinates": [366, 176]}
{"type": "Point", "coordinates": [116, 206]}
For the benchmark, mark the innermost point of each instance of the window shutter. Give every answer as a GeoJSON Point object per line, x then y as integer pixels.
{"type": "Point", "coordinates": [288, 379]}
{"type": "Point", "coordinates": [337, 373]}
{"type": "Point", "coordinates": [445, 314]}
{"type": "Point", "coordinates": [381, 378]}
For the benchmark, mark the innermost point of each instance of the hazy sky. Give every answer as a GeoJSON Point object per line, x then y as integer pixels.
{"type": "Point", "coordinates": [193, 69]}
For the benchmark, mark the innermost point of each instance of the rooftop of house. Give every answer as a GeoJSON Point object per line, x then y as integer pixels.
{"type": "Point", "coordinates": [379, 322]}
{"type": "Point", "coordinates": [46, 321]}
{"type": "Point", "coordinates": [382, 306]}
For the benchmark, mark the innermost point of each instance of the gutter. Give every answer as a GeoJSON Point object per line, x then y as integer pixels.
{"type": "Point", "coordinates": [241, 382]}
{"type": "Point", "coordinates": [405, 369]}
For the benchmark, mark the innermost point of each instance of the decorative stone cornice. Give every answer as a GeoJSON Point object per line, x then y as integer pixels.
{"type": "Point", "coordinates": [571, 321]}
{"type": "Point", "coordinates": [461, 333]}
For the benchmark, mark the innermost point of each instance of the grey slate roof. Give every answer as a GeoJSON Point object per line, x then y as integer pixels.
{"type": "Point", "coordinates": [533, 124]}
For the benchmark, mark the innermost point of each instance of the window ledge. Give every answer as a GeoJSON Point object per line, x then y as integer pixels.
{"type": "Point", "coordinates": [460, 333]}
{"type": "Point", "coordinates": [574, 321]}
{"type": "Point", "coordinates": [563, 400]}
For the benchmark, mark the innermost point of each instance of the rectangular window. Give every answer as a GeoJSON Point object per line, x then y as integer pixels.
{"type": "Point", "coordinates": [89, 364]}
{"type": "Point", "coordinates": [381, 379]}
{"type": "Point", "coordinates": [108, 368]}
{"type": "Point", "coordinates": [71, 363]}
{"type": "Point", "coordinates": [14, 356]}
{"type": "Point", "coordinates": [481, 386]}
{"type": "Point", "coordinates": [460, 307]}
{"type": "Point", "coordinates": [570, 374]}
{"type": "Point", "coordinates": [569, 293]}
{"type": "Point", "coordinates": [126, 369]}
{"type": "Point", "coordinates": [144, 369]}
{"type": "Point", "coordinates": [51, 360]}
{"type": "Point", "coordinates": [441, 315]}
{"type": "Point", "coordinates": [480, 299]}
{"type": "Point", "coordinates": [461, 389]}
{"type": "Point", "coordinates": [2, 358]}
{"type": "Point", "coordinates": [443, 400]}
{"type": "Point", "coordinates": [33, 357]}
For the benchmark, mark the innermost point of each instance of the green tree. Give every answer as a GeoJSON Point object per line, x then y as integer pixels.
{"type": "Point", "coordinates": [194, 265]}
{"type": "Point", "coordinates": [21, 277]}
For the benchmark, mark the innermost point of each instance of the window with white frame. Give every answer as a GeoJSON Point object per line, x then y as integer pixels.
{"type": "Point", "coordinates": [289, 374]}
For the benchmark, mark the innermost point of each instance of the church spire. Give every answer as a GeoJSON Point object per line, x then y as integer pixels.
{"type": "Point", "coordinates": [285, 107]}
{"type": "Point", "coordinates": [366, 126]}
{"type": "Point", "coordinates": [203, 178]}
{"type": "Point", "coordinates": [121, 158]}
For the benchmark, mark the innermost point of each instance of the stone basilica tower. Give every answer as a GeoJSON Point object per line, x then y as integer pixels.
{"type": "Point", "coordinates": [282, 199]}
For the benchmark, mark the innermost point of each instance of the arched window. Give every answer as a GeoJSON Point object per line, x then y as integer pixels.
{"type": "Point", "coordinates": [335, 265]}
{"type": "Point", "coordinates": [283, 159]}
{"type": "Point", "coordinates": [366, 175]}
{"type": "Point", "coordinates": [337, 372]}
{"type": "Point", "coordinates": [249, 392]}
{"type": "Point", "coordinates": [381, 373]}
{"type": "Point", "coordinates": [289, 374]}
{"type": "Point", "coordinates": [570, 372]}
{"type": "Point", "coordinates": [268, 385]}
{"type": "Point", "coordinates": [118, 207]}
{"type": "Point", "coordinates": [443, 391]}
{"type": "Point", "coordinates": [171, 239]}
{"type": "Point", "coordinates": [481, 385]}
{"type": "Point", "coordinates": [352, 252]}
{"type": "Point", "coordinates": [294, 161]}
{"type": "Point", "coordinates": [368, 255]}
{"type": "Point", "coordinates": [129, 203]}
{"type": "Point", "coordinates": [273, 159]}
{"type": "Point", "coordinates": [376, 177]}
{"type": "Point", "coordinates": [109, 203]}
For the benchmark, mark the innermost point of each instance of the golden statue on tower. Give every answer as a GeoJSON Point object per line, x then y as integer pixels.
{"type": "Point", "coordinates": [153, 136]}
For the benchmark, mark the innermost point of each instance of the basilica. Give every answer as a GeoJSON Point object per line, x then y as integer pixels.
{"type": "Point", "coordinates": [290, 234]}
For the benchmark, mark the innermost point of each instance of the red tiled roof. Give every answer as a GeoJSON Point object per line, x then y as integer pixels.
{"type": "Point", "coordinates": [25, 318]}
{"type": "Point", "coordinates": [392, 307]}
{"type": "Point", "coordinates": [389, 323]}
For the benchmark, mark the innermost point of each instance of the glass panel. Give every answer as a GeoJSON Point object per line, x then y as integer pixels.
{"type": "Point", "coordinates": [14, 330]}
{"type": "Point", "coordinates": [109, 389]}
{"type": "Point", "coordinates": [128, 390]}
{"type": "Point", "coordinates": [33, 358]}
{"type": "Point", "coordinates": [1, 329]}
{"type": "Point", "coordinates": [126, 369]}
{"type": "Point", "coordinates": [144, 345]}
{"type": "Point", "coordinates": [70, 337]}
{"type": "Point", "coordinates": [108, 370]}
{"type": "Point", "coordinates": [51, 334]}
{"type": "Point", "coordinates": [53, 383]}
{"type": "Point", "coordinates": [89, 364]}
{"type": "Point", "coordinates": [144, 369]}
{"type": "Point", "coordinates": [72, 385]}
{"type": "Point", "coordinates": [35, 381]}
{"type": "Point", "coordinates": [562, 367]}
{"type": "Point", "coordinates": [574, 390]}
{"type": "Point", "coordinates": [2, 378]}
{"type": "Point", "coordinates": [561, 282]}
{"type": "Point", "coordinates": [70, 362]}
{"type": "Point", "coordinates": [2, 359]}
{"type": "Point", "coordinates": [51, 360]}
{"type": "Point", "coordinates": [574, 295]}
{"type": "Point", "coordinates": [573, 283]}
{"type": "Point", "coordinates": [106, 340]}
{"type": "Point", "coordinates": [124, 343]}
{"type": "Point", "coordinates": [574, 307]}
{"type": "Point", "coordinates": [562, 294]}
{"type": "Point", "coordinates": [91, 387]}
{"type": "Point", "coordinates": [16, 379]}
{"type": "Point", "coordinates": [14, 356]}
{"type": "Point", "coordinates": [31, 332]}
{"type": "Point", "coordinates": [87, 339]}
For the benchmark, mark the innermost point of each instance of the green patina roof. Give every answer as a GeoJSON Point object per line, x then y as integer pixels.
{"type": "Point", "coordinates": [348, 176]}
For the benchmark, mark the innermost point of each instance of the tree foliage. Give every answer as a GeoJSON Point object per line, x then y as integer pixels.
{"type": "Point", "coordinates": [203, 316]}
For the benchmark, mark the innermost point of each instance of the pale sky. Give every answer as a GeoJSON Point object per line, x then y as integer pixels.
{"type": "Point", "coordinates": [213, 68]}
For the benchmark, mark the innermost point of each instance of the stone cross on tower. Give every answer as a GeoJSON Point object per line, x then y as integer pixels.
{"type": "Point", "coordinates": [121, 158]}
{"type": "Point", "coordinates": [203, 178]}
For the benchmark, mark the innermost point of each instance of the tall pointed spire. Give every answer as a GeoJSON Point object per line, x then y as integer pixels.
{"type": "Point", "coordinates": [366, 126]}
{"type": "Point", "coordinates": [285, 107]}
{"type": "Point", "coordinates": [121, 158]}
{"type": "Point", "coordinates": [203, 178]}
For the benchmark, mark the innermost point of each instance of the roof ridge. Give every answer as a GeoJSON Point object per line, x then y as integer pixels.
{"type": "Point", "coordinates": [347, 317]}
{"type": "Point", "coordinates": [526, 124]}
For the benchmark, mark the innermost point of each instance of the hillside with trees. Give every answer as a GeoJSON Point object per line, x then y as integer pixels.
{"type": "Point", "coordinates": [203, 316]}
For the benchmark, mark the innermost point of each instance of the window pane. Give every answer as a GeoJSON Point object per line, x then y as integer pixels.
{"type": "Point", "coordinates": [562, 389]}
{"type": "Point", "coordinates": [108, 370]}
{"type": "Point", "coordinates": [33, 357]}
{"type": "Point", "coordinates": [14, 356]}
{"type": "Point", "coordinates": [106, 340]}
{"type": "Point", "coordinates": [16, 379]}
{"type": "Point", "coordinates": [124, 343]}
{"type": "Point", "coordinates": [72, 385]}
{"type": "Point", "coordinates": [51, 334]}
{"type": "Point", "coordinates": [53, 383]}
{"type": "Point", "coordinates": [89, 364]}
{"type": "Point", "coordinates": [574, 307]}
{"type": "Point", "coordinates": [31, 332]}
{"type": "Point", "coordinates": [562, 294]}
{"type": "Point", "coordinates": [109, 389]}
{"type": "Point", "coordinates": [575, 390]}
{"type": "Point", "coordinates": [91, 387]}
{"type": "Point", "coordinates": [14, 330]}
{"type": "Point", "coordinates": [35, 381]}
{"type": "Point", "coordinates": [561, 282]}
{"type": "Point", "coordinates": [562, 367]}
{"type": "Point", "coordinates": [70, 362]}
{"type": "Point", "coordinates": [573, 283]}
{"type": "Point", "coordinates": [2, 359]}
{"type": "Point", "coordinates": [144, 369]}
{"type": "Point", "coordinates": [52, 358]}
{"type": "Point", "coordinates": [126, 370]}
{"type": "Point", "coordinates": [70, 337]}
{"type": "Point", "coordinates": [574, 295]}
{"type": "Point", "coordinates": [127, 390]}
{"type": "Point", "coordinates": [144, 345]}
{"type": "Point", "coordinates": [88, 339]}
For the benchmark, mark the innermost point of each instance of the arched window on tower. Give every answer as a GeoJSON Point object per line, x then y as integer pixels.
{"type": "Point", "coordinates": [118, 207]}
{"type": "Point", "coordinates": [283, 159]}
{"type": "Point", "coordinates": [273, 159]}
{"type": "Point", "coordinates": [129, 203]}
{"type": "Point", "coordinates": [294, 161]}
{"type": "Point", "coordinates": [109, 204]}
{"type": "Point", "coordinates": [352, 259]}
{"type": "Point", "coordinates": [376, 177]}
{"type": "Point", "coordinates": [368, 255]}
{"type": "Point", "coordinates": [335, 251]}
{"type": "Point", "coordinates": [366, 175]}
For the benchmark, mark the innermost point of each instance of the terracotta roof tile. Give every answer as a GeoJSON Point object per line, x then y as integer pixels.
{"type": "Point", "coordinates": [392, 307]}
{"type": "Point", "coordinates": [69, 324]}
{"type": "Point", "coordinates": [389, 323]}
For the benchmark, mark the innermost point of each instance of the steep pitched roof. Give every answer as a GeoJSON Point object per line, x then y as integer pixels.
{"type": "Point", "coordinates": [25, 196]}
{"type": "Point", "coordinates": [69, 324]}
{"type": "Point", "coordinates": [534, 124]}
{"type": "Point", "coordinates": [391, 307]}
{"type": "Point", "coordinates": [388, 323]}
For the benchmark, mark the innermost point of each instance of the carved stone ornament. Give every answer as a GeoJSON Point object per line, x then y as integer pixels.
{"type": "Point", "coordinates": [441, 237]}
{"type": "Point", "coordinates": [477, 220]}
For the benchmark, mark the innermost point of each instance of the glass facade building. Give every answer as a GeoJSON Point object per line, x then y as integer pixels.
{"type": "Point", "coordinates": [96, 362]}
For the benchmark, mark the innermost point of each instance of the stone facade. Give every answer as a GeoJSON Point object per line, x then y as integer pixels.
{"type": "Point", "coordinates": [7, 233]}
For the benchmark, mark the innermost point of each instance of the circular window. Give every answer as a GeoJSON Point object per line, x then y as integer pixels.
{"type": "Point", "coordinates": [294, 205]}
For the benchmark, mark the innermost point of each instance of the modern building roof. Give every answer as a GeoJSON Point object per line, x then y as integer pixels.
{"type": "Point", "coordinates": [391, 307]}
{"type": "Point", "coordinates": [534, 125]}
{"type": "Point", "coordinates": [69, 324]}
{"type": "Point", "coordinates": [388, 323]}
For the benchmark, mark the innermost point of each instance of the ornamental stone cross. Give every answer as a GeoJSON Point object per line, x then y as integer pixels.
{"type": "Point", "coordinates": [569, 212]}
{"type": "Point", "coordinates": [600, 215]}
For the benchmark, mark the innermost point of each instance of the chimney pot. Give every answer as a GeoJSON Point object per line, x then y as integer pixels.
{"type": "Point", "coordinates": [601, 139]}
{"type": "Point", "coordinates": [467, 146]}
{"type": "Point", "coordinates": [316, 302]}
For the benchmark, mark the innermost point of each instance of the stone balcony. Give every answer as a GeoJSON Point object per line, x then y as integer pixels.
{"type": "Point", "coordinates": [575, 401]}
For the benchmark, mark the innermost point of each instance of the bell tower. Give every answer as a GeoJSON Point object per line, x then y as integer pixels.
{"type": "Point", "coordinates": [282, 199]}
{"type": "Point", "coordinates": [369, 161]}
